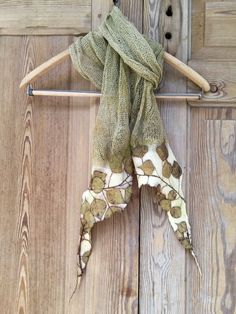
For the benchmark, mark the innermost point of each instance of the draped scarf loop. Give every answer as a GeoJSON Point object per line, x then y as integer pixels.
{"type": "Point", "coordinates": [129, 137]}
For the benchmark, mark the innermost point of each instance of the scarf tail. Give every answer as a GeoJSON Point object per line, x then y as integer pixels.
{"type": "Point", "coordinates": [156, 166]}
{"type": "Point", "coordinates": [107, 194]}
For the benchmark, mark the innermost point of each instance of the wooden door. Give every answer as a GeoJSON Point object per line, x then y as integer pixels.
{"type": "Point", "coordinates": [137, 265]}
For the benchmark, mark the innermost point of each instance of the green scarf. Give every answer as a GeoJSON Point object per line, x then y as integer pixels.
{"type": "Point", "coordinates": [129, 137]}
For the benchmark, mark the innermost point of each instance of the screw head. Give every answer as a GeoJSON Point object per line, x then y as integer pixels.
{"type": "Point", "coordinates": [213, 88]}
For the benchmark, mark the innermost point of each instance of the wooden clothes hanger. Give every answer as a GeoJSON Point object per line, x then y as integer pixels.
{"type": "Point", "coordinates": [186, 70]}
{"type": "Point", "coordinates": [46, 66]}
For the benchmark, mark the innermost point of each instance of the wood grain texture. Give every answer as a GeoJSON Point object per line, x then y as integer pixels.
{"type": "Point", "coordinates": [211, 164]}
{"type": "Point", "coordinates": [216, 15]}
{"type": "Point", "coordinates": [34, 169]}
{"type": "Point", "coordinates": [13, 240]}
{"type": "Point", "coordinates": [27, 17]}
{"type": "Point", "coordinates": [222, 76]}
{"type": "Point", "coordinates": [133, 9]}
{"type": "Point", "coordinates": [200, 47]}
{"type": "Point", "coordinates": [48, 215]}
{"type": "Point", "coordinates": [162, 259]}
{"type": "Point", "coordinates": [212, 202]}
{"type": "Point", "coordinates": [137, 265]}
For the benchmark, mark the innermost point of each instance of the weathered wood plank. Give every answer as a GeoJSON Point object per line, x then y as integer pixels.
{"type": "Point", "coordinates": [12, 129]}
{"type": "Point", "coordinates": [221, 76]}
{"type": "Point", "coordinates": [211, 161]}
{"type": "Point", "coordinates": [48, 213]}
{"type": "Point", "coordinates": [212, 202]}
{"type": "Point", "coordinates": [200, 45]}
{"type": "Point", "coordinates": [42, 17]}
{"type": "Point", "coordinates": [33, 207]}
{"type": "Point", "coordinates": [162, 259]}
{"type": "Point", "coordinates": [45, 160]}
{"type": "Point", "coordinates": [220, 24]}
{"type": "Point", "coordinates": [133, 9]}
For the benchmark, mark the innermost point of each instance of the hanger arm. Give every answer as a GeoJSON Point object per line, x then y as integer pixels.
{"type": "Point", "coordinates": [173, 61]}
{"type": "Point", "coordinates": [44, 68]}
{"type": "Point", "coordinates": [187, 71]}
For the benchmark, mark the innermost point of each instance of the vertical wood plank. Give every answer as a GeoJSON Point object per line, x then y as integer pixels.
{"type": "Point", "coordinates": [162, 259]}
{"type": "Point", "coordinates": [49, 155]}
{"type": "Point", "coordinates": [133, 9]}
{"type": "Point", "coordinates": [212, 190]}
{"type": "Point", "coordinates": [110, 283]}
{"type": "Point", "coordinates": [34, 169]}
{"type": "Point", "coordinates": [211, 163]}
{"type": "Point", "coordinates": [12, 128]}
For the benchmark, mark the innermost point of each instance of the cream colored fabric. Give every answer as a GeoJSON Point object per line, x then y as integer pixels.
{"type": "Point", "coordinates": [129, 136]}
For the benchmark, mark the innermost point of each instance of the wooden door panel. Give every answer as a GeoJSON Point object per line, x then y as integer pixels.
{"type": "Point", "coordinates": [222, 77]}
{"type": "Point", "coordinates": [212, 200]}
{"type": "Point", "coordinates": [137, 265]}
{"type": "Point", "coordinates": [27, 17]}
{"type": "Point", "coordinates": [220, 24]}
{"type": "Point", "coordinates": [211, 159]}
{"type": "Point", "coordinates": [212, 35]}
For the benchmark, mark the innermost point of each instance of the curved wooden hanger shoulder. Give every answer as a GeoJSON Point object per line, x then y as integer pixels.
{"type": "Point", "coordinates": [173, 61]}
{"type": "Point", "coordinates": [44, 67]}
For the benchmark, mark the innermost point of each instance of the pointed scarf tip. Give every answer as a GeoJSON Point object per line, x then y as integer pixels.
{"type": "Point", "coordinates": [197, 263]}
{"type": "Point", "coordinates": [76, 287]}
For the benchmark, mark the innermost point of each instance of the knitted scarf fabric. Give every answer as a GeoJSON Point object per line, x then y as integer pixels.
{"type": "Point", "coordinates": [129, 137]}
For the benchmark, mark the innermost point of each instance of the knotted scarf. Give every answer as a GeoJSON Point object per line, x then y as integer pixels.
{"type": "Point", "coordinates": [129, 138]}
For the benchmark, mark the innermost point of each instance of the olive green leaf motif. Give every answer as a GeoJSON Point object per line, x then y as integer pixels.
{"type": "Point", "coordinates": [147, 167]}
{"type": "Point", "coordinates": [162, 151]}
{"type": "Point", "coordinates": [97, 184]}
{"type": "Point", "coordinates": [128, 165]}
{"type": "Point", "coordinates": [140, 151]}
{"type": "Point", "coordinates": [166, 169]}
{"type": "Point", "coordinates": [171, 195]}
{"type": "Point", "coordinates": [175, 211]}
{"type": "Point", "coordinates": [176, 170]}
{"type": "Point", "coordinates": [114, 196]}
{"type": "Point", "coordinates": [98, 207]}
{"type": "Point", "coordinates": [165, 204]}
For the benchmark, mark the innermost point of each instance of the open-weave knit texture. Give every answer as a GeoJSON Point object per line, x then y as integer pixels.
{"type": "Point", "coordinates": [129, 137]}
